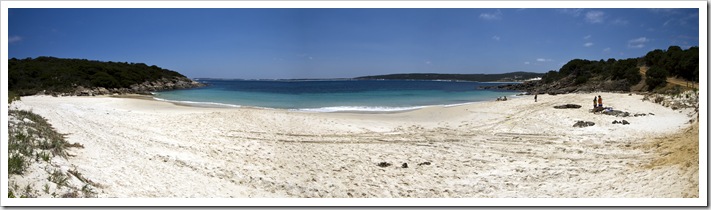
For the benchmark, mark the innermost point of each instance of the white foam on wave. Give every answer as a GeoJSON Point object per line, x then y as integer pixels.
{"type": "Point", "coordinates": [459, 104]}
{"type": "Point", "coordinates": [359, 109]}
{"type": "Point", "coordinates": [197, 103]}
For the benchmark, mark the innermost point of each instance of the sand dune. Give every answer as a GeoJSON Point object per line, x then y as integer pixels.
{"type": "Point", "coordinates": [516, 148]}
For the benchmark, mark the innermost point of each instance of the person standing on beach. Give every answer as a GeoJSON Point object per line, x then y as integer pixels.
{"type": "Point", "coordinates": [595, 102]}
{"type": "Point", "coordinates": [535, 97]}
{"type": "Point", "coordinates": [599, 101]}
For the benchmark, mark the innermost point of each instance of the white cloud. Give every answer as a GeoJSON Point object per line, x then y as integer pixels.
{"type": "Point", "coordinates": [543, 60]}
{"type": "Point", "coordinates": [587, 37]}
{"type": "Point", "coordinates": [573, 12]}
{"type": "Point", "coordinates": [491, 16]}
{"type": "Point", "coordinates": [606, 50]}
{"type": "Point", "coordinates": [526, 62]}
{"type": "Point", "coordinates": [14, 39]}
{"type": "Point", "coordinates": [497, 38]}
{"type": "Point", "coordinates": [428, 62]}
{"type": "Point", "coordinates": [589, 44]}
{"type": "Point", "coordinates": [667, 22]}
{"type": "Point", "coordinates": [638, 42]}
{"type": "Point", "coordinates": [620, 21]}
{"type": "Point", "coordinates": [595, 16]}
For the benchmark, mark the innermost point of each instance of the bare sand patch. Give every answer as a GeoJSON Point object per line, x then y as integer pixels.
{"type": "Point", "coordinates": [514, 148]}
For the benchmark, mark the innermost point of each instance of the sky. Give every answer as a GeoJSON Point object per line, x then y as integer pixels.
{"type": "Point", "coordinates": [343, 43]}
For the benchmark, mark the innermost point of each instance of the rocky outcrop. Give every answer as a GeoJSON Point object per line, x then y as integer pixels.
{"type": "Point", "coordinates": [582, 124]}
{"type": "Point", "coordinates": [144, 88]}
{"type": "Point", "coordinates": [617, 113]}
{"type": "Point", "coordinates": [681, 100]}
{"type": "Point", "coordinates": [568, 106]}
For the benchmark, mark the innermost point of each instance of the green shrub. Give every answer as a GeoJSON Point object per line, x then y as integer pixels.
{"type": "Point", "coordinates": [632, 75]}
{"type": "Point", "coordinates": [103, 79]}
{"type": "Point", "coordinates": [581, 79]}
{"type": "Point", "coordinates": [12, 96]}
{"type": "Point", "coordinates": [551, 76]}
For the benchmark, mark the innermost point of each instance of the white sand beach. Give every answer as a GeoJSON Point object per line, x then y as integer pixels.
{"type": "Point", "coordinates": [142, 148]}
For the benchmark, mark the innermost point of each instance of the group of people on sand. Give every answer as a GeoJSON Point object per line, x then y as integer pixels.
{"type": "Point", "coordinates": [597, 102]}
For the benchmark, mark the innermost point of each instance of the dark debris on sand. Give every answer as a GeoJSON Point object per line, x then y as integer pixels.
{"type": "Point", "coordinates": [582, 124]}
{"type": "Point", "coordinates": [384, 164]}
{"type": "Point", "coordinates": [568, 106]}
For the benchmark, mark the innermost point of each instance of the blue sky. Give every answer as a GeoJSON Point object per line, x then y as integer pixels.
{"type": "Point", "coordinates": [342, 43]}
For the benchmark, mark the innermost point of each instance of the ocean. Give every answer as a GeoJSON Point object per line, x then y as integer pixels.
{"type": "Point", "coordinates": [333, 95]}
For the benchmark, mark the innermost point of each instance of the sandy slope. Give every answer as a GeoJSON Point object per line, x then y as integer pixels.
{"type": "Point", "coordinates": [515, 148]}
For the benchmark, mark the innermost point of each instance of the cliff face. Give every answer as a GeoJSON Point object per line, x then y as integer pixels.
{"type": "Point", "coordinates": [144, 88]}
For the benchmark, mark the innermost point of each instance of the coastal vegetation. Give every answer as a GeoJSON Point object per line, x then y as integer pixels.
{"type": "Point", "coordinates": [32, 145]}
{"type": "Point", "coordinates": [677, 62]}
{"type": "Point", "coordinates": [648, 73]}
{"type": "Point", "coordinates": [586, 70]}
{"type": "Point", "coordinates": [52, 75]}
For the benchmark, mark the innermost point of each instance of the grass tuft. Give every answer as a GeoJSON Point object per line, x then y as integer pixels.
{"type": "Point", "coordinates": [45, 156]}
{"type": "Point", "coordinates": [58, 178]}
{"type": "Point", "coordinates": [16, 164]}
{"type": "Point", "coordinates": [79, 176]}
{"type": "Point", "coordinates": [46, 188]}
{"type": "Point", "coordinates": [72, 194]}
{"type": "Point", "coordinates": [87, 191]}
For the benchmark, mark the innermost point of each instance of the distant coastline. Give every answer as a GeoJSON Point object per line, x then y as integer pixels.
{"type": "Point", "coordinates": [511, 77]}
{"type": "Point", "coordinates": [504, 77]}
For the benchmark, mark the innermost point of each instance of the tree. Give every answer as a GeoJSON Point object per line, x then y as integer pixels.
{"type": "Point", "coordinates": [632, 75]}
{"type": "Point", "coordinates": [677, 62]}
{"type": "Point", "coordinates": [103, 79]}
{"type": "Point", "coordinates": [653, 57]}
{"type": "Point", "coordinates": [573, 67]}
{"type": "Point", "coordinates": [689, 64]}
{"type": "Point", "coordinates": [656, 77]}
{"type": "Point", "coordinates": [672, 58]}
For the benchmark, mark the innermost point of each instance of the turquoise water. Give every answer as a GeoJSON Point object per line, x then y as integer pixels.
{"type": "Point", "coordinates": [333, 95]}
